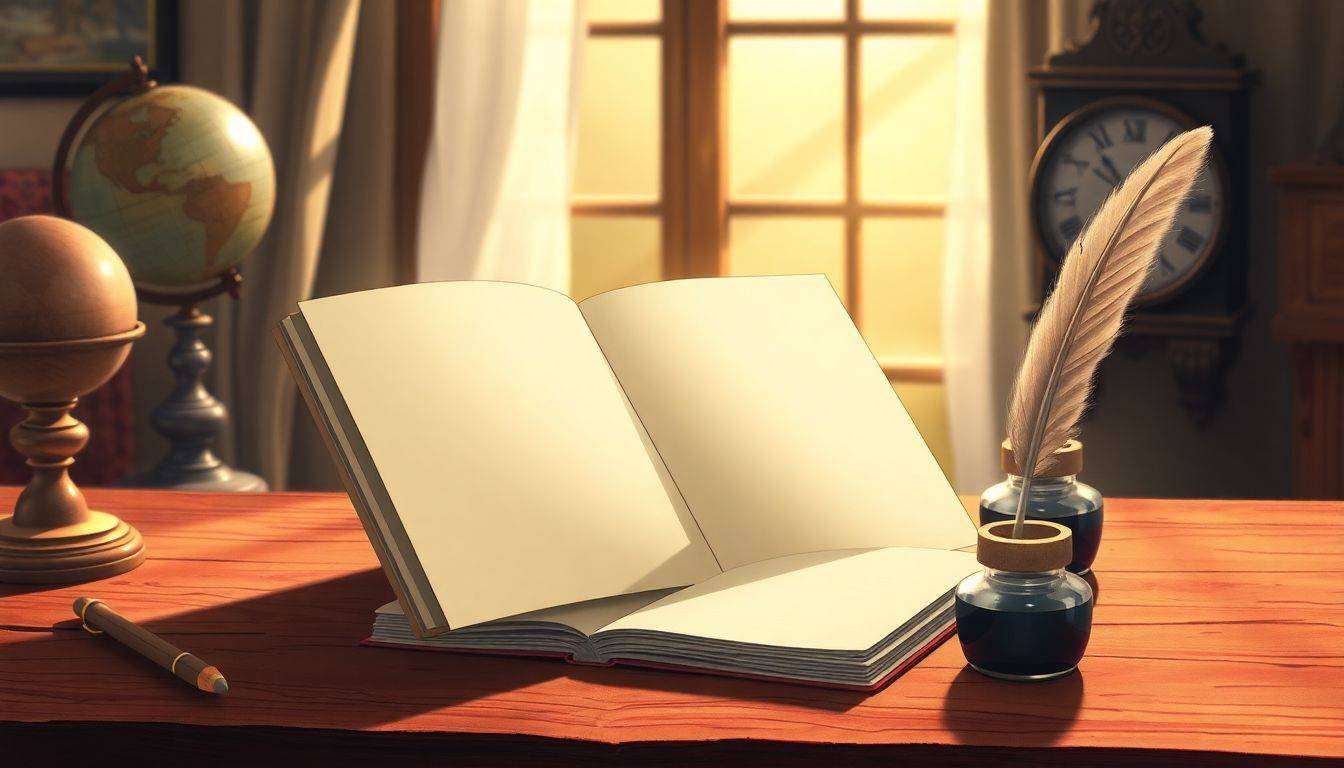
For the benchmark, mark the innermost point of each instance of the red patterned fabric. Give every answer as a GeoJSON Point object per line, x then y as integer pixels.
{"type": "Point", "coordinates": [109, 412]}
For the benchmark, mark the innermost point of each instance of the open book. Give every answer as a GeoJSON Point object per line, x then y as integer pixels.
{"type": "Point", "coordinates": [710, 473]}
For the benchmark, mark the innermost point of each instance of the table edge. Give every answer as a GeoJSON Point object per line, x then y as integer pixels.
{"type": "Point", "coordinates": [37, 738]}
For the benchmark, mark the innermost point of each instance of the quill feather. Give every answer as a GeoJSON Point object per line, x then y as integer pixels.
{"type": "Point", "coordinates": [1083, 315]}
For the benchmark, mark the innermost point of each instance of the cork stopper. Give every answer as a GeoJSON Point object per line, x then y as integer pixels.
{"type": "Point", "coordinates": [1067, 460]}
{"type": "Point", "coordinates": [1044, 546]}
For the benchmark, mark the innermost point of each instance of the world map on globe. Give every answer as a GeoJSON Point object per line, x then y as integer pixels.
{"type": "Point", "coordinates": [178, 181]}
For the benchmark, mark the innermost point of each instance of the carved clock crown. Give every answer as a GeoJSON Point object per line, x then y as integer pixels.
{"type": "Point", "coordinates": [1147, 33]}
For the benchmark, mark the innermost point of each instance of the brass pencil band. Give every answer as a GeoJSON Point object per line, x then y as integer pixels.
{"type": "Point", "coordinates": [1066, 460]}
{"type": "Point", "coordinates": [173, 667]}
{"type": "Point", "coordinates": [85, 622]}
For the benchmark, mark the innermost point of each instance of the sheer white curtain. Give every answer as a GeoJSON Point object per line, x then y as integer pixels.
{"type": "Point", "coordinates": [289, 64]}
{"type": "Point", "coordinates": [989, 242]}
{"type": "Point", "coordinates": [967, 269]}
{"type": "Point", "coordinates": [495, 201]}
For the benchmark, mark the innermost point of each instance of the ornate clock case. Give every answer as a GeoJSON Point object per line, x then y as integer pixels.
{"type": "Point", "coordinates": [1151, 53]}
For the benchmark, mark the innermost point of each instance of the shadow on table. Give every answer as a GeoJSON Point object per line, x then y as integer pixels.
{"type": "Point", "coordinates": [295, 654]}
{"type": "Point", "coordinates": [297, 650]}
{"type": "Point", "coordinates": [983, 710]}
{"type": "Point", "coordinates": [977, 707]}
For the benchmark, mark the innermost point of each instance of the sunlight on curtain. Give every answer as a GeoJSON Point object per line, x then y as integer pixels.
{"type": "Point", "coordinates": [495, 201]}
{"type": "Point", "coordinates": [972, 422]}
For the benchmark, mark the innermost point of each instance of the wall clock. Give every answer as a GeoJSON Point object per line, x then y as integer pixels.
{"type": "Point", "coordinates": [1146, 74]}
{"type": "Point", "coordinates": [1095, 147]}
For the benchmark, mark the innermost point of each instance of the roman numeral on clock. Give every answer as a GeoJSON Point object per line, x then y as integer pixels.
{"type": "Point", "coordinates": [1165, 263]}
{"type": "Point", "coordinates": [1100, 137]}
{"type": "Point", "coordinates": [1136, 130]}
{"type": "Point", "coordinates": [1067, 197]}
{"type": "Point", "coordinates": [1078, 165]}
{"type": "Point", "coordinates": [1189, 239]}
{"type": "Point", "coordinates": [1199, 203]}
{"type": "Point", "coordinates": [1070, 228]}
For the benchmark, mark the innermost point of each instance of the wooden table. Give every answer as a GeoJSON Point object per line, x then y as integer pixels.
{"type": "Point", "coordinates": [1219, 640]}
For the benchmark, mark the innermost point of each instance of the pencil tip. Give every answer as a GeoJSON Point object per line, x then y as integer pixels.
{"type": "Point", "coordinates": [211, 681]}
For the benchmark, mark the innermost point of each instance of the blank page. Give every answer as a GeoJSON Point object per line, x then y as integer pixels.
{"type": "Point", "coordinates": [842, 601]}
{"type": "Point", "coordinates": [518, 471]}
{"type": "Point", "coordinates": [586, 617]}
{"type": "Point", "coordinates": [774, 418]}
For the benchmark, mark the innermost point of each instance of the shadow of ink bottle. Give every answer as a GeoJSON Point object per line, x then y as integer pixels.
{"type": "Point", "coordinates": [1056, 495]}
{"type": "Point", "coordinates": [1024, 617]}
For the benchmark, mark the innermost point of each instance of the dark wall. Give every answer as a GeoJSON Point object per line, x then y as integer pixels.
{"type": "Point", "coordinates": [1139, 440]}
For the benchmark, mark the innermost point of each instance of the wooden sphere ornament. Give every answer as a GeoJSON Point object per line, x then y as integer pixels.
{"type": "Point", "coordinates": [67, 320]}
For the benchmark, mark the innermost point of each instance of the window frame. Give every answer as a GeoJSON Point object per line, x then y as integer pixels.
{"type": "Point", "coordinates": [669, 207]}
{"type": "Point", "coordinates": [694, 205]}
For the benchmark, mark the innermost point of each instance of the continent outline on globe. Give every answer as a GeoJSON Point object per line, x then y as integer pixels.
{"type": "Point", "coordinates": [179, 181]}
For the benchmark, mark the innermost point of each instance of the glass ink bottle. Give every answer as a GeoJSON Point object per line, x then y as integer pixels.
{"type": "Point", "coordinates": [1056, 495]}
{"type": "Point", "coordinates": [1024, 617]}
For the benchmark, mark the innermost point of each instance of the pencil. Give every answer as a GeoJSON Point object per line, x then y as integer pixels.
{"type": "Point", "coordinates": [99, 619]}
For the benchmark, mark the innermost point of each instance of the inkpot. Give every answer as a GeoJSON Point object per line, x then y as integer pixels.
{"type": "Point", "coordinates": [1056, 495]}
{"type": "Point", "coordinates": [1024, 617]}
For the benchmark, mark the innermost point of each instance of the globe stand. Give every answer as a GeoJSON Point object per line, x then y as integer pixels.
{"type": "Point", "coordinates": [191, 418]}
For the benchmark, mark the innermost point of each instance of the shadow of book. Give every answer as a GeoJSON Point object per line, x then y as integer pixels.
{"type": "Point", "coordinates": [292, 656]}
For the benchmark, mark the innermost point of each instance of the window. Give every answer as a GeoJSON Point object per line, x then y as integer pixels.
{"type": "Point", "coordinates": [776, 137]}
{"type": "Point", "coordinates": [620, 222]}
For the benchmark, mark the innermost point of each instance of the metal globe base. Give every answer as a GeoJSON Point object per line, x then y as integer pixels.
{"type": "Point", "coordinates": [224, 478]}
{"type": "Point", "coordinates": [192, 420]}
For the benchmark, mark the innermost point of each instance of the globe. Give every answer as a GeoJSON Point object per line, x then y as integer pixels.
{"type": "Point", "coordinates": [178, 181]}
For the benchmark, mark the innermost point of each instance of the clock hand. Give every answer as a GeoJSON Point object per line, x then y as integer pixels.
{"type": "Point", "coordinates": [1115, 172]}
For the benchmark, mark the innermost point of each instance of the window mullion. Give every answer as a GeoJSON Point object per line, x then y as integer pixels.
{"type": "Point", "coordinates": [674, 165]}
{"type": "Point", "coordinates": [853, 290]}
{"type": "Point", "coordinates": [705, 193]}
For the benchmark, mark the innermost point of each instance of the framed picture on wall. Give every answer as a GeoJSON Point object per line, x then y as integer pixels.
{"type": "Point", "coordinates": [70, 47]}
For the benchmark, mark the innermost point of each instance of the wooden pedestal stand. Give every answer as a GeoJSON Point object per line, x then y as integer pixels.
{"type": "Point", "coordinates": [53, 537]}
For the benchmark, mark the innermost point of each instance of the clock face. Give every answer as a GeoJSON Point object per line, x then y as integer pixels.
{"type": "Point", "coordinates": [1089, 158]}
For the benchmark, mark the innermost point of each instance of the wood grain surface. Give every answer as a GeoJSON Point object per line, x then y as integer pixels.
{"type": "Point", "coordinates": [1218, 640]}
